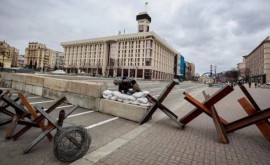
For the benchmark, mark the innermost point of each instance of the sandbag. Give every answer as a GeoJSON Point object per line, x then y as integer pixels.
{"type": "Point", "coordinates": [107, 92]}
{"type": "Point", "coordinates": [113, 98]}
{"type": "Point", "coordinates": [126, 101]}
{"type": "Point", "coordinates": [118, 99]}
{"type": "Point", "coordinates": [142, 100]}
{"type": "Point", "coordinates": [123, 96]}
{"type": "Point", "coordinates": [137, 94]}
{"type": "Point", "coordinates": [146, 105]}
{"type": "Point", "coordinates": [116, 93]}
{"type": "Point", "coordinates": [107, 96]}
{"type": "Point", "coordinates": [134, 102]}
{"type": "Point", "coordinates": [145, 93]}
{"type": "Point", "coordinates": [131, 98]}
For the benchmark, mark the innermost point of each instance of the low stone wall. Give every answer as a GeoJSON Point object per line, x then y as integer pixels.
{"type": "Point", "coordinates": [84, 94]}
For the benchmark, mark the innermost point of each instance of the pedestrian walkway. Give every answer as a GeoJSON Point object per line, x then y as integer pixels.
{"type": "Point", "coordinates": [164, 143]}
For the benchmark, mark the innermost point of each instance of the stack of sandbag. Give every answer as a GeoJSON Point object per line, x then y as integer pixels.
{"type": "Point", "coordinates": [137, 98]}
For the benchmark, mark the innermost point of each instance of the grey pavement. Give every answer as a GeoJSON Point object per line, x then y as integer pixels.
{"type": "Point", "coordinates": [164, 143]}
{"type": "Point", "coordinates": [104, 129]}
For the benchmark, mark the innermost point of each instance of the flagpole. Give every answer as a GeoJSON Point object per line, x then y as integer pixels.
{"type": "Point", "coordinates": [146, 3]}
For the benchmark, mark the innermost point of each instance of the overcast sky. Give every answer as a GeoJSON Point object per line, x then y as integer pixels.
{"type": "Point", "coordinates": [204, 32]}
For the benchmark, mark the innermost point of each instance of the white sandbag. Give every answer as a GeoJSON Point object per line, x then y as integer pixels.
{"type": "Point", "coordinates": [107, 96]}
{"type": "Point", "coordinates": [123, 96]}
{"type": "Point", "coordinates": [146, 105]}
{"type": "Point", "coordinates": [145, 93]}
{"type": "Point", "coordinates": [107, 92]}
{"type": "Point", "coordinates": [135, 102]}
{"type": "Point", "coordinates": [131, 98]}
{"type": "Point", "coordinates": [142, 100]}
{"type": "Point", "coordinates": [137, 94]}
{"type": "Point", "coordinates": [116, 93]}
{"type": "Point", "coordinates": [126, 101]}
{"type": "Point", "coordinates": [113, 98]}
{"type": "Point", "coordinates": [118, 99]}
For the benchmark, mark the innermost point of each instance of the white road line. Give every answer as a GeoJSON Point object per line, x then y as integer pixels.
{"type": "Point", "coordinates": [42, 102]}
{"type": "Point", "coordinates": [61, 107]}
{"type": "Point", "coordinates": [78, 114]}
{"type": "Point", "coordinates": [100, 123]}
{"type": "Point", "coordinates": [34, 97]}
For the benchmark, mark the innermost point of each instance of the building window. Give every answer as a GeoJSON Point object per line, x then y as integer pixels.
{"type": "Point", "coordinates": [140, 28]}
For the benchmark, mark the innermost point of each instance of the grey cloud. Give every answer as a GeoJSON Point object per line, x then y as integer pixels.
{"type": "Point", "coordinates": [205, 32]}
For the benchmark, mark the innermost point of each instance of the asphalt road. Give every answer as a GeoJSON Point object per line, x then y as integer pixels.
{"type": "Point", "coordinates": [102, 128]}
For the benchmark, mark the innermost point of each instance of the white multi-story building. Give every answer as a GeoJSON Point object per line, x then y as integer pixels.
{"type": "Point", "coordinates": [140, 55]}
{"type": "Point", "coordinates": [57, 60]}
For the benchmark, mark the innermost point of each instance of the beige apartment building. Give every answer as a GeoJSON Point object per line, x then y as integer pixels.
{"type": "Point", "coordinates": [190, 70]}
{"type": "Point", "coordinates": [242, 69]}
{"type": "Point", "coordinates": [37, 55]}
{"type": "Point", "coordinates": [257, 63]}
{"type": "Point", "coordinates": [142, 55]}
{"type": "Point", "coordinates": [8, 55]}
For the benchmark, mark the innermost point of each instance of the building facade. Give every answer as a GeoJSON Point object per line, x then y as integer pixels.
{"type": "Point", "coordinates": [257, 63]}
{"type": "Point", "coordinates": [38, 56]}
{"type": "Point", "coordinates": [142, 55]}
{"type": "Point", "coordinates": [242, 69]}
{"type": "Point", "coordinates": [8, 53]}
{"type": "Point", "coordinates": [190, 70]}
{"type": "Point", "coordinates": [182, 67]}
{"type": "Point", "coordinates": [57, 60]}
{"type": "Point", "coordinates": [21, 60]}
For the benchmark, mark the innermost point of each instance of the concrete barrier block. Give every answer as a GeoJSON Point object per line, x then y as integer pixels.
{"type": "Point", "coordinates": [5, 76]}
{"type": "Point", "coordinates": [19, 77]}
{"type": "Point", "coordinates": [19, 86]}
{"type": "Point", "coordinates": [56, 84]}
{"type": "Point", "coordinates": [126, 111]}
{"type": "Point", "coordinates": [86, 88]}
{"type": "Point", "coordinates": [6, 83]}
{"type": "Point", "coordinates": [52, 94]}
{"type": "Point", "coordinates": [37, 90]}
{"type": "Point", "coordinates": [34, 80]}
{"type": "Point", "coordinates": [83, 101]}
{"type": "Point", "coordinates": [29, 88]}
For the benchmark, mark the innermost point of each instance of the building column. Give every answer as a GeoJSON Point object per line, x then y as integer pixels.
{"type": "Point", "coordinates": [128, 72]}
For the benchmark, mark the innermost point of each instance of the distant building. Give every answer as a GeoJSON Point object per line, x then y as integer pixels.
{"type": "Point", "coordinates": [257, 63]}
{"type": "Point", "coordinates": [182, 67]}
{"type": "Point", "coordinates": [142, 55]}
{"type": "Point", "coordinates": [242, 69]}
{"type": "Point", "coordinates": [58, 60]}
{"type": "Point", "coordinates": [190, 70]}
{"type": "Point", "coordinates": [37, 55]}
{"type": "Point", "coordinates": [8, 55]}
{"type": "Point", "coordinates": [21, 60]}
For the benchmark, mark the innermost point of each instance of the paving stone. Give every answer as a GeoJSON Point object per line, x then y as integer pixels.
{"type": "Point", "coordinates": [198, 143]}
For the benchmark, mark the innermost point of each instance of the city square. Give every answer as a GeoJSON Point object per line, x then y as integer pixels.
{"type": "Point", "coordinates": [145, 82]}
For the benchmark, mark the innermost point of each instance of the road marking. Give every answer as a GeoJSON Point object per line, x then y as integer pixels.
{"type": "Point", "coordinates": [61, 107]}
{"type": "Point", "coordinates": [78, 114]}
{"type": "Point", "coordinates": [34, 97]}
{"type": "Point", "coordinates": [100, 123]}
{"type": "Point", "coordinates": [42, 102]}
